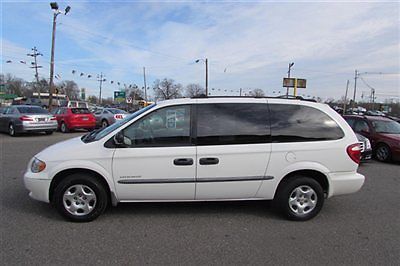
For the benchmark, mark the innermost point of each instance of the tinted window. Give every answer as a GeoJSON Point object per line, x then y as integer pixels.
{"type": "Point", "coordinates": [80, 111]}
{"type": "Point", "coordinates": [32, 110]}
{"type": "Point", "coordinates": [388, 127]}
{"type": "Point", "coordinates": [117, 111]}
{"type": "Point", "coordinates": [296, 123]}
{"type": "Point", "coordinates": [232, 123]}
{"type": "Point", "coordinates": [168, 126]}
{"type": "Point", "coordinates": [350, 121]}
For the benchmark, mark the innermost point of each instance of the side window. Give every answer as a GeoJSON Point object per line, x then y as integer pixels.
{"type": "Point", "coordinates": [297, 123]}
{"type": "Point", "coordinates": [360, 126]}
{"type": "Point", "coordinates": [232, 123]}
{"type": "Point", "coordinates": [165, 127]}
{"type": "Point", "coordinates": [98, 111]}
{"type": "Point", "coordinates": [350, 121]}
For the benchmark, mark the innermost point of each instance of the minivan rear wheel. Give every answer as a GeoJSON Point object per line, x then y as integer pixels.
{"type": "Point", "coordinates": [80, 198]}
{"type": "Point", "coordinates": [299, 198]}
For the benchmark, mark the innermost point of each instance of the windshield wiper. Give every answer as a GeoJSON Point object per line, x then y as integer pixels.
{"type": "Point", "coordinates": [91, 135]}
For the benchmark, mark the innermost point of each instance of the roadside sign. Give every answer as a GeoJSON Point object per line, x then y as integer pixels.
{"type": "Point", "coordinates": [291, 83]}
{"type": "Point", "coordinates": [119, 96]}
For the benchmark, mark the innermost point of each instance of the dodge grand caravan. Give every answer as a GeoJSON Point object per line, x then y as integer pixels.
{"type": "Point", "coordinates": [294, 152]}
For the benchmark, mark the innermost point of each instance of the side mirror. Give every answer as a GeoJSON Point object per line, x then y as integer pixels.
{"type": "Point", "coordinates": [119, 138]}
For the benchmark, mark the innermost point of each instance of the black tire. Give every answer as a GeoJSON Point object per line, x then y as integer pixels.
{"type": "Point", "coordinates": [383, 153]}
{"type": "Point", "coordinates": [98, 206]}
{"type": "Point", "coordinates": [49, 132]}
{"type": "Point", "coordinates": [11, 130]}
{"type": "Point", "coordinates": [287, 192]}
{"type": "Point", "coordinates": [64, 128]}
{"type": "Point", "coordinates": [104, 123]}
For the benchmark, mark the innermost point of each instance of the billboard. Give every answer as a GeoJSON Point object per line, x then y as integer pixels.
{"type": "Point", "coordinates": [291, 82]}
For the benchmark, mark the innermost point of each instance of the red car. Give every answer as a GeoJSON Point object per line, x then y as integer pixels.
{"type": "Point", "coordinates": [383, 133]}
{"type": "Point", "coordinates": [74, 118]}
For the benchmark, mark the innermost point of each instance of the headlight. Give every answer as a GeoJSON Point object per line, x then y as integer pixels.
{"type": "Point", "coordinates": [368, 144]}
{"type": "Point", "coordinates": [37, 166]}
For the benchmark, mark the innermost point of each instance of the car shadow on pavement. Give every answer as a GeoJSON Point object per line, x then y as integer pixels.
{"type": "Point", "coordinates": [260, 208]}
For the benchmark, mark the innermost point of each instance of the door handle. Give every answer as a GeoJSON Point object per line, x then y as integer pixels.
{"type": "Point", "coordinates": [183, 161]}
{"type": "Point", "coordinates": [207, 161]}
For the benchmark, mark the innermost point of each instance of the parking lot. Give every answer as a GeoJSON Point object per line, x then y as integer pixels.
{"type": "Point", "coordinates": [361, 228]}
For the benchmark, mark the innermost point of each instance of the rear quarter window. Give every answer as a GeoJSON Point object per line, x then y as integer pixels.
{"type": "Point", "coordinates": [297, 123]}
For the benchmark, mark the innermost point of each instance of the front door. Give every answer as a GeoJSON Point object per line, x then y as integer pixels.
{"type": "Point", "coordinates": [158, 161]}
{"type": "Point", "coordinates": [233, 149]}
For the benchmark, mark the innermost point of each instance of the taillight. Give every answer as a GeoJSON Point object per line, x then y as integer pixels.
{"type": "Point", "coordinates": [118, 116]}
{"type": "Point", "coordinates": [25, 118]}
{"type": "Point", "coordinates": [354, 152]}
{"type": "Point", "coordinates": [53, 118]}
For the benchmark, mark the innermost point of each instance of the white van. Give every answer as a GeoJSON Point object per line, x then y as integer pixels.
{"type": "Point", "coordinates": [294, 152]}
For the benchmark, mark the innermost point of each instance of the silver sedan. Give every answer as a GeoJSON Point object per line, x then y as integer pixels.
{"type": "Point", "coordinates": [17, 119]}
{"type": "Point", "coordinates": [108, 116]}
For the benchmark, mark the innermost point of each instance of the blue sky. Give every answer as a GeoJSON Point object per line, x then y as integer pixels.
{"type": "Point", "coordinates": [248, 44]}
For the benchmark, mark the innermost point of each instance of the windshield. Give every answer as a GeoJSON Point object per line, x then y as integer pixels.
{"type": "Point", "coordinates": [101, 133]}
{"type": "Point", "coordinates": [32, 110]}
{"type": "Point", "coordinates": [117, 111]}
{"type": "Point", "coordinates": [388, 127]}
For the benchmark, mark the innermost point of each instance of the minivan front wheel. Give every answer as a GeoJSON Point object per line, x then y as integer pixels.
{"type": "Point", "coordinates": [80, 198]}
{"type": "Point", "coordinates": [300, 198]}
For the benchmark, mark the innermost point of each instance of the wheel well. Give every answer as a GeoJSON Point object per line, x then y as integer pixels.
{"type": "Point", "coordinates": [59, 176]}
{"type": "Point", "coordinates": [317, 176]}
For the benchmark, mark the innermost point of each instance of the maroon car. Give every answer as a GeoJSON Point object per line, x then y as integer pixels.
{"type": "Point", "coordinates": [383, 133]}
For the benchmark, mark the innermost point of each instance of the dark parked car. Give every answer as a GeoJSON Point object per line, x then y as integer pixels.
{"type": "Point", "coordinates": [383, 133]}
{"type": "Point", "coordinates": [16, 119]}
{"type": "Point", "coordinates": [366, 148]}
{"type": "Point", "coordinates": [74, 118]}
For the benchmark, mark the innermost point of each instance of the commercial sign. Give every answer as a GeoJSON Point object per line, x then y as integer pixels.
{"type": "Point", "coordinates": [294, 82]}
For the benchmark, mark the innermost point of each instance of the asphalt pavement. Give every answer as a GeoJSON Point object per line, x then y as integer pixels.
{"type": "Point", "coordinates": [361, 228]}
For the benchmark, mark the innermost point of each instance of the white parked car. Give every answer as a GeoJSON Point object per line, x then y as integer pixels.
{"type": "Point", "coordinates": [294, 152]}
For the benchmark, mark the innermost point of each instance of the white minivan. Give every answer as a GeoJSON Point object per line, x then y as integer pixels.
{"type": "Point", "coordinates": [292, 151]}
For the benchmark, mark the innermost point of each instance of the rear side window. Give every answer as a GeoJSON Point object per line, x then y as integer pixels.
{"type": "Point", "coordinates": [296, 123]}
{"type": "Point", "coordinates": [232, 123]}
{"type": "Point", "coordinates": [80, 111]}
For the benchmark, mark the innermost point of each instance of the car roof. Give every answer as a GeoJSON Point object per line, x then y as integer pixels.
{"type": "Point", "coordinates": [369, 117]}
{"type": "Point", "coordinates": [238, 100]}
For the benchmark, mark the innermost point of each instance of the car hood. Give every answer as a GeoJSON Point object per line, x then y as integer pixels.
{"type": "Point", "coordinates": [64, 150]}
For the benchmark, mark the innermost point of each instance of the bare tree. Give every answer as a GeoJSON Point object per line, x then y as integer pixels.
{"type": "Point", "coordinates": [167, 89]}
{"type": "Point", "coordinates": [194, 90]}
{"type": "Point", "coordinates": [70, 88]}
{"type": "Point", "coordinates": [15, 85]}
{"type": "Point", "coordinates": [92, 99]}
{"type": "Point", "coordinates": [257, 93]}
{"type": "Point", "coordinates": [134, 92]}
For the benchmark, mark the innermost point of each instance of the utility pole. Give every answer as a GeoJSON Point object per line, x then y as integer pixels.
{"type": "Point", "coordinates": [240, 92]}
{"type": "Point", "coordinates": [206, 77]}
{"type": "Point", "coordinates": [373, 98]}
{"type": "Point", "coordinates": [56, 12]}
{"type": "Point", "coordinates": [100, 79]}
{"type": "Point", "coordinates": [35, 66]}
{"type": "Point", "coordinates": [345, 97]}
{"type": "Point", "coordinates": [145, 88]}
{"type": "Point", "coordinates": [355, 88]}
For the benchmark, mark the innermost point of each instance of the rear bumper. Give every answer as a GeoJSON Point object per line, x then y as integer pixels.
{"type": "Point", "coordinates": [36, 127]}
{"type": "Point", "coordinates": [345, 183]}
{"type": "Point", "coordinates": [82, 125]}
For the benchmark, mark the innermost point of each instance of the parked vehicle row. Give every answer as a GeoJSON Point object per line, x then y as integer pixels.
{"type": "Point", "coordinates": [295, 152]}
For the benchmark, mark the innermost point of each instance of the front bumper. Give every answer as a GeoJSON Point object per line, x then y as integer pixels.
{"type": "Point", "coordinates": [366, 155]}
{"type": "Point", "coordinates": [345, 183]}
{"type": "Point", "coordinates": [38, 186]}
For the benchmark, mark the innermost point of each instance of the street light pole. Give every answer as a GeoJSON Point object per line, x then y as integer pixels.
{"type": "Point", "coordinates": [206, 77]}
{"type": "Point", "coordinates": [54, 6]}
{"type": "Point", "coordinates": [355, 89]}
{"type": "Point", "coordinates": [287, 88]}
